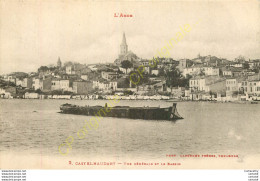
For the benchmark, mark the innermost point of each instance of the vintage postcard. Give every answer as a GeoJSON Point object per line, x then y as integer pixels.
{"type": "Point", "coordinates": [129, 84]}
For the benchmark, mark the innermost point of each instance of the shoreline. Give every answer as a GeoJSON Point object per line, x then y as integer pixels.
{"type": "Point", "coordinates": [166, 100]}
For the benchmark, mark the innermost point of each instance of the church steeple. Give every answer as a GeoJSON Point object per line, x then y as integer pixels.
{"type": "Point", "coordinates": [123, 46]}
{"type": "Point", "coordinates": [59, 62]}
{"type": "Point", "coordinates": [123, 40]}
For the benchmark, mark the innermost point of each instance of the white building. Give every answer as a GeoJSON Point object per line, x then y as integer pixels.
{"type": "Point", "coordinates": [198, 84]}
{"type": "Point", "coordinates": [5, 94]}
{"type": "Point", "coordinates": [55, 84]}
{"type": "Point", "coordinates": [28, 95]}
{"type": "Point", "coordinates": [231, 86]}
{"type": "Point", "coordinates": [36, 83]}
{"type": "Point", "coordinates": [227, 73]}
{"type": "Point", "coordinates": [109, 75]}
{"type": "Point", "coordinates": [105, 85]}
{"type": "Point", "coordinates": [253, 87]}
{"type": "Point", "coordinates": [211, 71]}
{"type": "Point", "coordinates": [191, 71]}
{"type": "Point", "coordinates": [10, 78]}
{"type": "Point", "coordinates": [84, 77]}
{"type": "Point", "coordinates": [61, 85]}
{"type": "Point", "coordinates": [70, 70]}
{"type": "Point", "coordinates": [155, 72]}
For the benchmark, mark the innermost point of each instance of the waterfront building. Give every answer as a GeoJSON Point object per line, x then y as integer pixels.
{"type": "Point", "coordinates": [254, 87]}
{"type": "Point", "coordinates": [65, 85]}
{"type": "Point", "coordinates": [36, 83]}
{"type": "Point", "coordinates": [31, 95]}
{"type": "Point", "coordinates": [61, 84]}
{"type": "Point", "coordinates": [4, 94]}
{"type": "Point", "coordinates": [82, 87]}
{"type": "Point", "coordinates": [46, 83]}
{"type": "Point", "coordinates": [55, 84]}
{"type": "Point", "coordinates": [232, 85]}
{"type": "Point", "coordinates": [208, 84]}
{"type": "Point", "coordinates": [8, 92]}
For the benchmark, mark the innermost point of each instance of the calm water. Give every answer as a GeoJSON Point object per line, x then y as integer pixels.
{"type": "Point", "coordinates": [34, 126]}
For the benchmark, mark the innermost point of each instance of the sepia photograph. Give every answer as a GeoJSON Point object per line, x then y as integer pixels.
{"type": "Point", "coordinates": [129, 84]}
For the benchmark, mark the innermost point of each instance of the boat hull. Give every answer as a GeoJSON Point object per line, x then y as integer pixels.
{"type": "Point", "coordinates": [147, 113]}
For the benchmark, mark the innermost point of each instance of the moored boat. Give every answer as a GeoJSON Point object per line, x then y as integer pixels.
{"type": "Point", "coordinates": [147, 113]}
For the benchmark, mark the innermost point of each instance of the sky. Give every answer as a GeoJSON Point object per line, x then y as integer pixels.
{"type": "Point", "coordinates": [35, 33]}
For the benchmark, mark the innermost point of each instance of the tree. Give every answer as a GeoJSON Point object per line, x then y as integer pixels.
{"type": "Point", "coordinates": [126, 64]}
{"type": "Point", "coordinates": [174, 78]}
{"type": "Point", "coordinates": [246, 65]}
{"type": "Point", "coordinates": [43, 69]}
{"type": "Point", "coordinates": [256, 69]}
{"type": "Point", "coordinates": [136, 79]}
{"type": "Point", "coordinates": [38, 91]}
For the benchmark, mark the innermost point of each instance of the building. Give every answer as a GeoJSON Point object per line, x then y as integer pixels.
{"type": "Point", "coordinates": [123, 47]}
{"type": "Point", "coordinates": [231, 86]}
{"type": "Point", "coordinates": [125, 70]}
{"type": "Point", "coordinates": [194, 71]}
{"type": "Point", "coordinates": [18, 82]}
{"type": "Point", "coordinates": [198, 84]}
{"type": "Point", "coordinates": [36, 83]}
{"type": "Point", "coordinates": [60, 84]}
{"type": "Point", "coordinates": [59, 64]}
{"type": "Point", "coordinates": [211, 71]}
{"type": "Point", "coordinates": [227, 73]}
{"type": "Point", "coordinates": [27, 82]}
{"type": "Point", "coordinates": [4, 94]}
{"type": "Point", "coordinates": [66, 85]}
{"type": "Point", "coordinates": [55, 84]}
{"type": "Point", "coordinates": [28, 95]}
{"type": "Point", "coordinates": [184, 63]}
{"type": "Point", "coordinates": [84, 76]}
{"type": "Point", "coordinates": [10, 78]}
{"type": "Point", "coordinates": [208, 84]}
{"type": "Point", "coordinates": [254, 63]}
{"type": "Point", "coordinates": [46, 83]}
{"type": "Point", "coordinates": [155, 72]}
{"type": "Point", "coordinates": [8, 92]}
{"type": "Point", "coordinates": [145, 62]}
{"type": "Point", "coordinates": [109, 75]}
{"type": "Point", "coordinates": [125, 54]}
{"type": "Point", "coordinates": [82, 87]}
{"type": "Point", "coordinates": [254, 87]}
{"type": "Point", "coordinates": [70, 70]}
{"type": "Point", "coordinates": [105, 85]}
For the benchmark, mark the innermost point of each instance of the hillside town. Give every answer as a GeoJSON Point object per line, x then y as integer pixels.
{"type": "Point", "coordinates": [205, 78]}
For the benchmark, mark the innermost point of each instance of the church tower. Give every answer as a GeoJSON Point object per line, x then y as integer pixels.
{"type": "Point", "coordinates": [59, 63]}
{"type": "Point", "coordinates": [123, 46]}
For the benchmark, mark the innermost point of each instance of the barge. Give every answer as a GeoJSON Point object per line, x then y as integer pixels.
{"type": "Point", "coordinates": [147, 113]}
